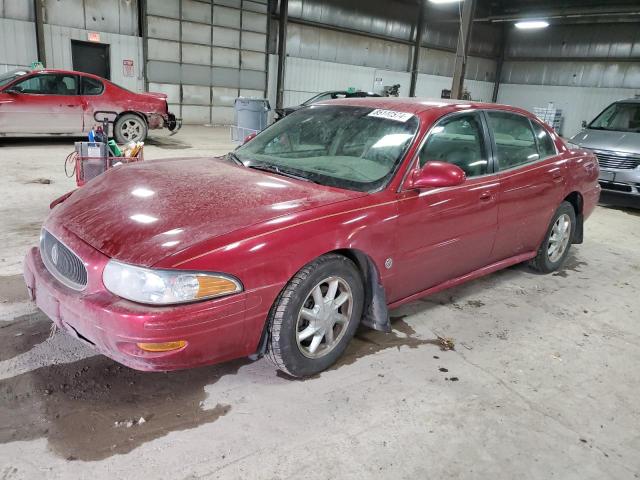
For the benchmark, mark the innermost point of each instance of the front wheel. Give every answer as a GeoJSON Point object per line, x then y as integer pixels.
{"type": "Point", "coordinates": [315, 316]}
{"type": "Point", "coordinates": [556, 244]}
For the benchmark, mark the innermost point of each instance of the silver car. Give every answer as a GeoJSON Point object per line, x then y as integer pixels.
{"type": "Point", "coordinates": [614, 136]}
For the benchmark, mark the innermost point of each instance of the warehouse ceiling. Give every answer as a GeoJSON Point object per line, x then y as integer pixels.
{"type": "Point", "coordinates": [565, 11]}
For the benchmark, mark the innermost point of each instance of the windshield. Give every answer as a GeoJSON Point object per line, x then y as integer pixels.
{"type": "Point", "coordinates": [9, 77]}
{"type": "Point", "coordinates": [620, 117]}
{"type": "Point", "coordinates": [356, 148]}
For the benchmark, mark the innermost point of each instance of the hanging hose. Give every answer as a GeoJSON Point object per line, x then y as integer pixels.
{"type": "Point", "coordinates": [71, 158]}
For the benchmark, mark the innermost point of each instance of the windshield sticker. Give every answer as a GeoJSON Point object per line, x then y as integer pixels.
{"type": "Point", "coordinates": [391, 115]}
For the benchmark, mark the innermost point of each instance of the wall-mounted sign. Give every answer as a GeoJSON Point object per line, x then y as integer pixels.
{"type": "Point", "coordinates": [127, 68]}
{"type": "Point", "coordinates": [93, 36]}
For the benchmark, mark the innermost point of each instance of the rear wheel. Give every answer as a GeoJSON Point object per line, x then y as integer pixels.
{"type": "Point", "coordinates": [130, 128]}
{"type": "Point", "coordinates": [556, 245]}
{"type": "Point", "coordinates": [315, 316]}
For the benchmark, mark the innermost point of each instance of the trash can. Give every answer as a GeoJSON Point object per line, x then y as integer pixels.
{"type": "Point", "coordinates": [250, 117]}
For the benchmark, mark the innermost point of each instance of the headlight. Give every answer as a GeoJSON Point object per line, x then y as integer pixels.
{"type": "Point", "coordinates": [165, 287]}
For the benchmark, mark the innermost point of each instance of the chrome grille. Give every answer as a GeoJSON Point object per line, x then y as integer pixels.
{"type": "Point", "coordinates": [612, 160]}
{"type": "Point", "coordinates": [62, 263]}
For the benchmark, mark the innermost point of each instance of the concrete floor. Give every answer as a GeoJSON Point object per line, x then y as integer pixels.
{"type": "Point", "coordinates": [543, 381]}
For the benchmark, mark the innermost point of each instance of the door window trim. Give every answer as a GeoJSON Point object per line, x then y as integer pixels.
{"type": "Point", "coordinates": [555, 147]}
{"type": "Point", "coordinates": [494, 145]}
{"type": "Point", "coordinates": [488, 146]}
{"type": "Point", "coordinates": [42, 74]}
{"type": "Point", "coordinates": [81, 86]}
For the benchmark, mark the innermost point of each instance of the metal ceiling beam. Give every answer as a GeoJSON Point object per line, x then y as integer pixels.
{"type": "Point", "coordinates": [42, 56]}
{"type": "Point", "coordinates": [415, 64]}
{"type": "Point", "coordinates": [462, 50]}
{"type": "Point", "coordinates": [569, 13]}
{"type": "Point", "coordinates": [499, 64]}
{"type": "Point", "coordinates": [282, 51]}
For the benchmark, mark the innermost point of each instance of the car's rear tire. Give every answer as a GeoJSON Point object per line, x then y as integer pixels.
{"type": "Point", "coordinates": [130, 128]}
{"type": "Point", "coordinates": [315, 316]}
{"type": "Point", "coordinates": [557, 242]}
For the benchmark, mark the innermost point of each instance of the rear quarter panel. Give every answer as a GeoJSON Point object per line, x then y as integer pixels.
{"type": "Point", "coordinates": [582, 175]}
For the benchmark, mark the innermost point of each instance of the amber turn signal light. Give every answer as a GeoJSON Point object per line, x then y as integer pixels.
{"type": "Point", "coordinates": [162, 347]}
{"type": "Point", "coordinates": [215, 286]}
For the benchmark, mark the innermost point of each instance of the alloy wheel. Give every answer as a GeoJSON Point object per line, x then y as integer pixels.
{"type": "Point", "coordinates": [559, 238]}
{"type": "Point", "coordinates": [323, 317]}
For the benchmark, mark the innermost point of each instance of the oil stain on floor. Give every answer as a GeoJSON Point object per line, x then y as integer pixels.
{"type": "Point", "coordinates": [22, 334]}
{"type": "Point", "coordinates": [91, 409]}
{"type": "Point", "coordinates": [367, 341]}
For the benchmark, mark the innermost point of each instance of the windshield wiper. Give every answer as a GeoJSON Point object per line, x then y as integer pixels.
{"type": "Point", "coordinates": [280, 171]}
{"type": "Point", "coordinates": [234, 158]}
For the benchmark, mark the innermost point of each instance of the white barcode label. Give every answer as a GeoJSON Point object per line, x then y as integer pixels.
{"type": "Point", "coordinates": [391, 115]}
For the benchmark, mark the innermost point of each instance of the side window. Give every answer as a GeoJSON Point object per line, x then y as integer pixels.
{"type": "Point", "coordinates": [458, 140]}
{"type": "Point", "coordinates": [514, 138]}
{"type": "Point", "coordinates": [546, 146]}
{"type": "Point", "coordinates": [90, 86]}
{"type": "Point", "coordinates": [49, 84]}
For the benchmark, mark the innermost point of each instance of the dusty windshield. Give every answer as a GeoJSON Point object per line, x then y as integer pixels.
{"type": "Point", "coordinates": [357, 148]}
{"type": "Point", "coordinates": [9, 77]}
{"type": "Point", "coordinates": [620, 117]}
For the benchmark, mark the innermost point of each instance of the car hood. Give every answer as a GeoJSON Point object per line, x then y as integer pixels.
{"type": "Point", "coordinates": [626, 142]}
{"type": "Point", "coordinates": [142, 213]}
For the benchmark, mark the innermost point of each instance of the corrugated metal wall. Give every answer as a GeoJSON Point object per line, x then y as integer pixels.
{"type": "Point", "coordinates": [121, 47]}
{"type": "Point", "coordinates": [64, 20]}
{"type": "Point", "coordinates": [376, 49]}
{"type": "Point", "coordinates": [205, 54]}
{"type": "Point", "coordinates": [17, 27]}
{"type": "Point", "coordinates": [581, 68]}
{"type": "Point", "coordinates": [577, 103]}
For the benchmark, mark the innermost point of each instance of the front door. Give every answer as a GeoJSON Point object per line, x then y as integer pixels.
{"type": "Point", "coordinates": [532, 182]}
{"type": "Point", "coordinates": [91, 57]}
{"type": "Point", "coordinates": [445, 233]}
{"type": "Point", "coordinates": [42, 103]}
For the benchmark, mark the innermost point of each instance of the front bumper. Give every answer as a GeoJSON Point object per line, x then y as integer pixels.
{"type": "Point", "coordinates": [621, 181]}
{"type": "Point", "coordinates": [215, 330]}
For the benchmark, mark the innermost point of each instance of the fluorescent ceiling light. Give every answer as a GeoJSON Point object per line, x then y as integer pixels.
{"type": "Point", "coordinates": [445, 1]}
{"type": "Point", "coordinates": [532, 24]}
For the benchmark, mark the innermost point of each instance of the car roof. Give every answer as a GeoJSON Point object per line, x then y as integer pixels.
{"type": "Point", "coordinates": [67, 72]}
{"type": "Point", "coordinates": [417, 105]}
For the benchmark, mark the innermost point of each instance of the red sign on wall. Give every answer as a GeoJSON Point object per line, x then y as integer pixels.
{"type": "Point", "coordinates": [127, 68]}
{"type": "Point", "coordinates": [93, 36]}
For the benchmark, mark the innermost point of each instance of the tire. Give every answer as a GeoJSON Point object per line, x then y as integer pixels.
{"type": "Point", "coordinates": [293, 331]}
{"type": "Point", "coordinates": [130, 128]}
{"type": "Point", "coordinates": [560, 236]}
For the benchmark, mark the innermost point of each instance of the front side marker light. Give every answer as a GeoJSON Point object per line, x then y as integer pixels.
{"type": "Point", "coordinates": [162, 347]}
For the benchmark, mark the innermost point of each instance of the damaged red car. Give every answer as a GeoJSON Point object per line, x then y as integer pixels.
{"type": "Point", "coordinates": [321, 223]}
{"type": "Point", "coordinates": [63, 102]}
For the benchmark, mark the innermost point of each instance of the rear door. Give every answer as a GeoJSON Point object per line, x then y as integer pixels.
{"type": "Point", "coordinates": [444, 233]}
{"type": "Point", "coordinates": [532, 181]}
{"type": "Point", "coordinates": [42, 103]}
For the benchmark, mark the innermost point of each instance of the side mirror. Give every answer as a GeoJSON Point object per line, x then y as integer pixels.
{"type": "Point", "coordinates": [437, 175]}
{"type": "Point", "coordinates": [584, 124]}
{"type": "Point", "coordinates": [249, 137]}
{"type": "Point", "coordinates": [13, 90]}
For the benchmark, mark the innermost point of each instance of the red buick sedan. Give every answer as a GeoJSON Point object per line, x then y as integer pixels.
{"type": "Point", "coordinates": [64, 103]}
{"type": "Point", "coordinates": [322, 222]}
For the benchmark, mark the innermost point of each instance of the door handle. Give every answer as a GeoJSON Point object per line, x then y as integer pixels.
{"type": "Point", "coordinates": [486, 196]}
{"type": "Point", "coordinates": [557, 177]}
